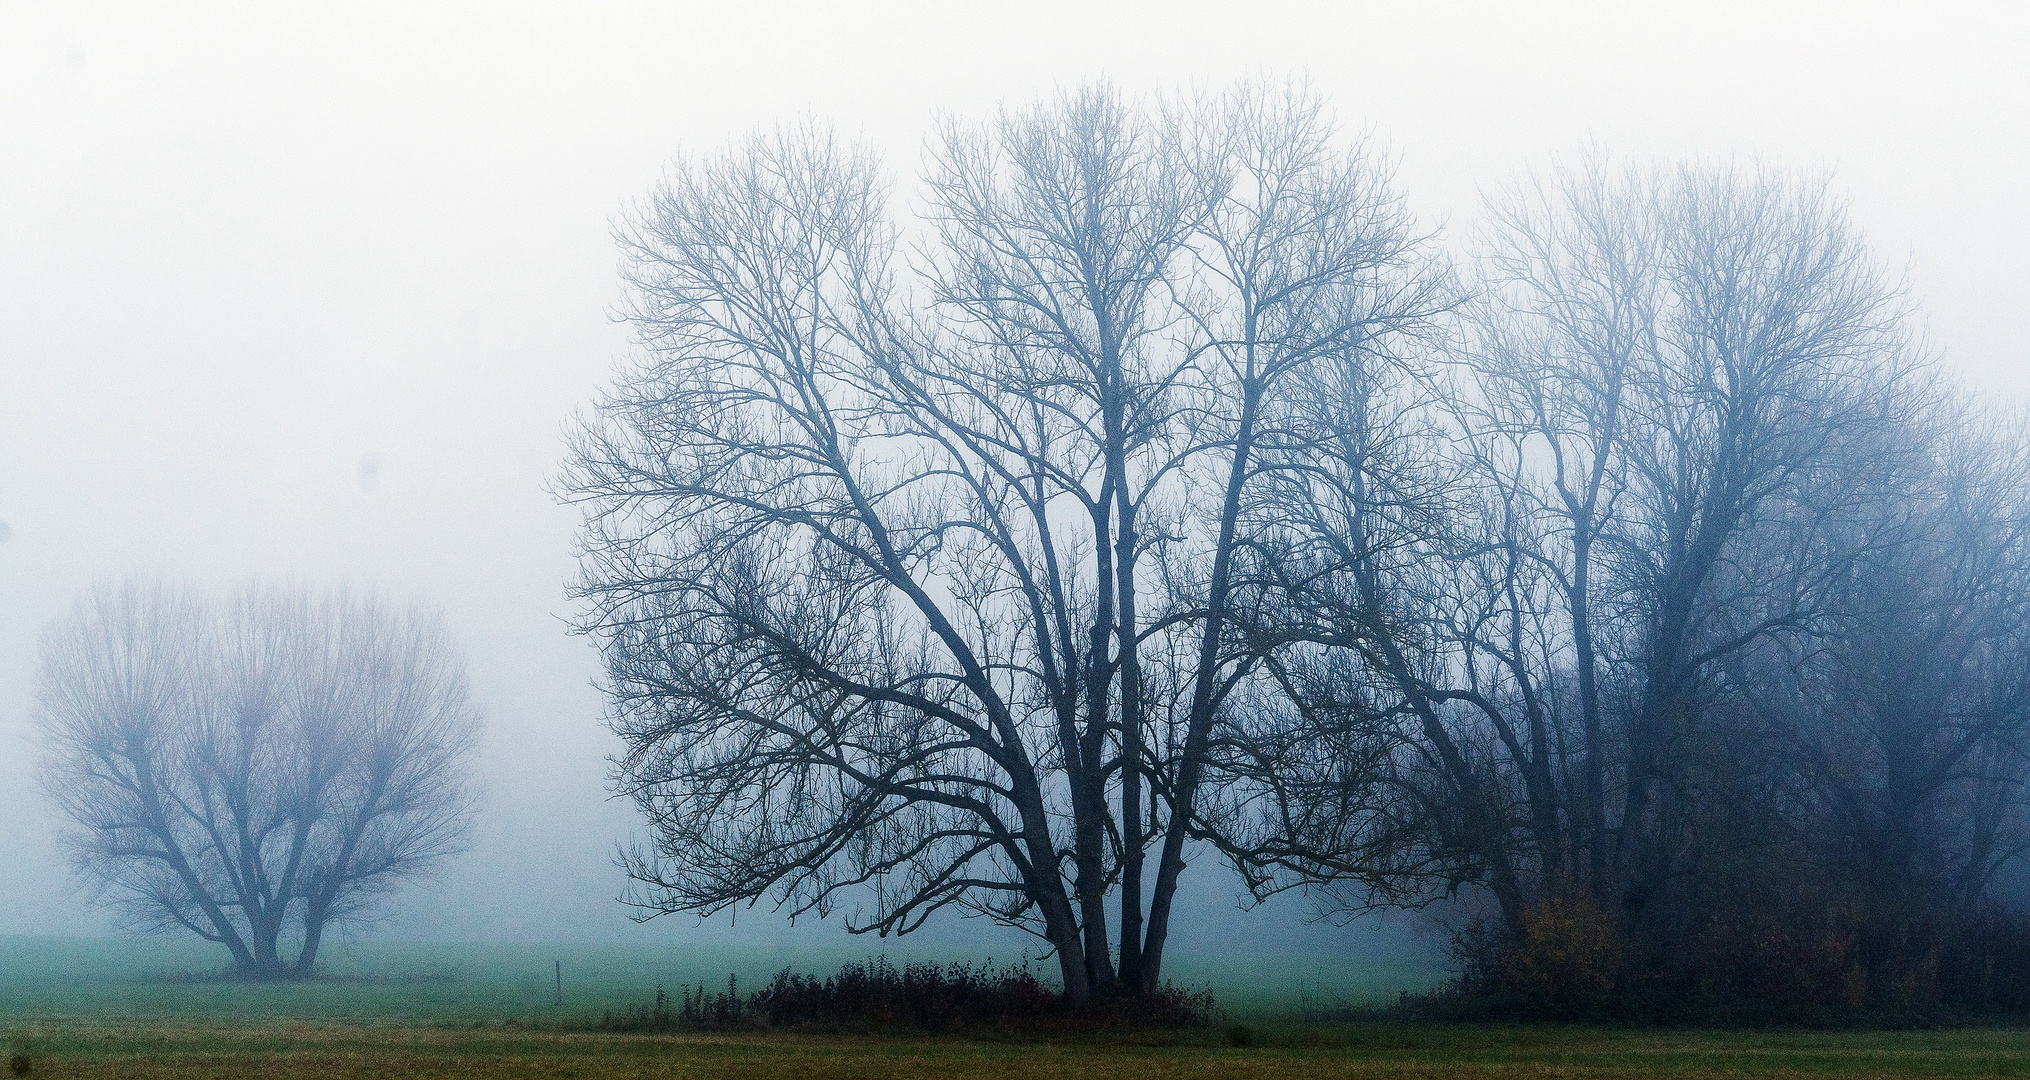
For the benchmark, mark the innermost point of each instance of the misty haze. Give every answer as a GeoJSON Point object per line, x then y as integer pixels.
{"type": "Point", "coordinates": [881, 538]}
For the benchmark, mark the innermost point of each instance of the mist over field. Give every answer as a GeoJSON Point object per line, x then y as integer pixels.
{"type": "Point", "coordinates": [312, 296]}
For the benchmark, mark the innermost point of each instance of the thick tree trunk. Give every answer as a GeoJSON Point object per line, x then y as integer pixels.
{"type": "Point", "coordinates": [1198, 732]}
{"type": "Point", "coordinates": [1060, 928]}
{"type": "Point", "coordinates": [1084, 751]}
{"type": "Point", "coordinates": [314, 915]}
{"type": "Point", "coordinates": [1131, 753]}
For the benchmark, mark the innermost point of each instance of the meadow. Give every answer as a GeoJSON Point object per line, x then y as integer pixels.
{"type": "Point", "coordinates": [168, 979]}
{"type": "Point", "coordinates": [158, 1008]}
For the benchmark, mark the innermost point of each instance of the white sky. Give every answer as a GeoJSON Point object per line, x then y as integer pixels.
{"type": "Point", "coordinates": [246, 250]}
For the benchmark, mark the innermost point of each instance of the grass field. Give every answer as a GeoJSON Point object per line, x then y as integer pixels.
{"type": "Point", "coordinates": [283, 1049]}
{"type": "Point", "coordinates": [156, 1008]}
{"type": "Point", "coordinates": [172, 979]}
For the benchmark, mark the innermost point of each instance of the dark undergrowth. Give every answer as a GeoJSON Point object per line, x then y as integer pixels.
{"type": "Point", "coordinates": [877, 996]}
{"type": "Point", "coordinates": [1797, 966]}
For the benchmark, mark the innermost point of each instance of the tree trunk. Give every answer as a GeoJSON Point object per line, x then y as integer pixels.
{"type": "Point", "coordinates": [1131, 753]}
{"type": "Point", "coordinates": [313, 936]}
{"type": "Point", "coordinates": [1198, 731]}
{"type": "Point", "coordinates": [1593, 789]}
{"type": "Point", "coordinates": [1084, 760]}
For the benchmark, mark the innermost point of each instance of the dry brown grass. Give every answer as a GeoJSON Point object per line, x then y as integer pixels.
{"type": "Point", "coordinates": [387, 1052]}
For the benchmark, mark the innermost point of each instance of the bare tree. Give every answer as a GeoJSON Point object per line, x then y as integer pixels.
{"type": "Point", "coordinates": [1341, 766]}
{"type": "Point", "coordinates": [258, 770]}
{"type": "Point", "coordinates": [1128, 507]}
{"type": "Point", "coordinates": [915, 572]}
{"type": "Point", "coordinates": [1680, 388]}
{"type": "Point", "coordinates": [1908, 721]}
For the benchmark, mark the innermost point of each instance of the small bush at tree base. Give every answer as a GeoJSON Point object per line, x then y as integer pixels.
{"type": "Point", "coordinates": [879, 996]}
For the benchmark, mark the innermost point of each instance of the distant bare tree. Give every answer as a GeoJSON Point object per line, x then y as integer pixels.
{"type": "Point", "coordinates": [1679, 386]}
{"type": "Point", "coordinates": [1693, 612]}
{"type": "Point", "coordinates": [1908, 723]}
{"type": "Point", "coordinates": [915, 568]}
{"type": "Point", "coordinates": [257, 770]}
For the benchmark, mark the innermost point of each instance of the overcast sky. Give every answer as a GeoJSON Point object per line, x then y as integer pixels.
{"type": "Point", "coordinates": [309, 292]}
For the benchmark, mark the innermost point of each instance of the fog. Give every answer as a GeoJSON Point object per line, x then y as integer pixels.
{"type": "Point", "coordinates": [311, 295]}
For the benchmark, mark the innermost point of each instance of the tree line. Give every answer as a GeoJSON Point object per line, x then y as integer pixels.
{"type": "Point", "coordinates": [1145, 483]}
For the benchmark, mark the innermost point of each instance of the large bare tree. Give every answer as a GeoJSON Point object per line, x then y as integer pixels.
{"type": "Point", "coordinates": [254, 771]}
{"type": "Point", "coordinates": [1679, 391]}
{"type": "Point", "coordinates": [912, 551]}
{"type": "Point", "coordinates": [1688, 609]}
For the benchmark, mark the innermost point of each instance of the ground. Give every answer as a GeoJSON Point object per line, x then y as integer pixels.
{"type": "Point", "coordinates": [387, 1051]}
{"type": "Point", "coordinates": [158, 1009]}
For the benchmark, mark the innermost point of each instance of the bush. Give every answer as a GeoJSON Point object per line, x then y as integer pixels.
{"type": "Point", "coordinates": [1797, 952]}
{"type": "Point", "coordinates": [878, 996]}
{"type": "Point", "coordinates": [1986, 967]}
{"type": "Point", "coordinates": [1569, 954]}
{"type": "Point", "coordinates": [917, 997]}
{"type": "Point", "coordinates": [1565, 964]}
{"type": "Point", "coordinates": [1789, 958]}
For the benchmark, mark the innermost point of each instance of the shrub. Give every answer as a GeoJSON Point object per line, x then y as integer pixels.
{"type": "Point", "coordinates": [878, 996]}
{"type": "Point", "coordinates": [1798, 950]}
{"type": "Point", "coordinates": [1791, 956]}
{"type": "Point", "coordinates": [1569, 954]}
{"type": "Point", "coordinates": [1986, 966]}
{"type": "Point", "coordinates": [926, 997]}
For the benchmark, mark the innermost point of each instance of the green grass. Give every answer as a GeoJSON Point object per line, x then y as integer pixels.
{"type": "Point", "coordinates": [179, 980]}
{"type": "Point", "coordinates": [173, 979]}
